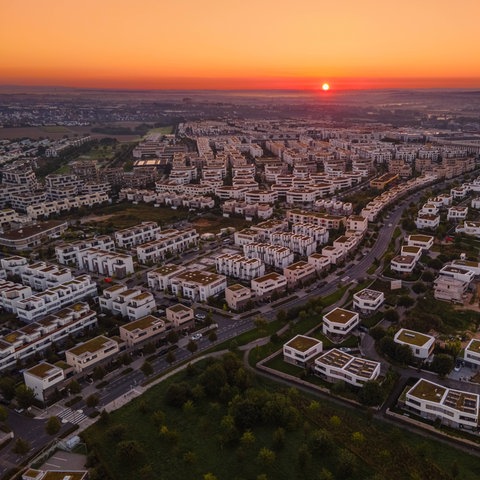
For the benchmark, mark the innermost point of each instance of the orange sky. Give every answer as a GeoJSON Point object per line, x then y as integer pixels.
{"type": "Point", "coordinates": [234, 44]}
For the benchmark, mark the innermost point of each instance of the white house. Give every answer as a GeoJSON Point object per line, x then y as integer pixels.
{"type": "Point", "coordinates": [301, 349]}
{"type": "Point", "coordinates": [368, 300]}
{"type": "Point", "coordinates": [198, 285]}
{"type": "Point", "coordinates": [340, 321]}
{"type": "Point", "coordinates": [90, 353]}
{"type": "Point", "coordinates": [266, 285]}
{"type": "Point", "coordinates": [457, 213]}
{"type": "Point", "coordinates": [180, 315]}
{"type": "Point", "coordinates": [459, 273]}
{"type": "Point", "coordinates": [425, 242]}
{"type": "Point", "coordinates": [403, 263]}
{"type": "Point", "coordinates": [421, 345]}
{"type": "Point", "coordinates": [472, 352]}
{"type": "Point", "coordinates": [425, 220]}
{"type": "Point", "coordinates": [42, 378]}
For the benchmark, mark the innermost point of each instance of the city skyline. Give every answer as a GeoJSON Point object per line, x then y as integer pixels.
{"type": "Point", "coordinates": [240, 45]}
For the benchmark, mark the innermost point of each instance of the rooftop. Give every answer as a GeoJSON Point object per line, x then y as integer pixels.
{"type": "Point", "coordinates": [474, 346]}
{"type": "Point", "coordinates": [428, 391]}
{"type": "Point", "coordinates": [42, 370]}
{"type": "Point", "coordinates": [368, 294]}
{"type": "Point", "coordinates": [93, 345]}
{"type": "Point", "coordinates": [236, 287]}
{"type": "Point", "coordinates": [179, 308]}
{"type": "Point", "coordinates": [302, 343]}
{"type": "Point", "coordinates": [420, 238]}
{"type": "Point", "coordinates": [411, 337]}
{"type": "Point", "coordinates": [202, 278]}
{"type": "Point", "coordinates": [143, 323]}
{"type": "Point", "coordinates": [340, 315]}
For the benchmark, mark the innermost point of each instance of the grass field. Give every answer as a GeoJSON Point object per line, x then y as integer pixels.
{"type": "Point", "coordinates": [164, 130]}
{"type": "Point", "coordinates": [150, 439]}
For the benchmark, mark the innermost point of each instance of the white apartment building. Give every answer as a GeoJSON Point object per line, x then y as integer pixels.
{"type": "Point", "coordinates": [40, 275]}
{"type": "Point", "coordinates": [131, 303]}
{"type": "Point", "coordinates": [475, 203]}
{"type": "Point", "coordinates": [469, 228]}
{"type": "Point", "coordinates": [67, 253]}
{"type": "Point", "coordinates": [161, 278]}
{"type": "Point", "coordinates": [36, 306]}
{"type": "Point", "coordinates": [180, 316]}
{"type": "Point", "coordinates": [335, 365]}
{"type": "Point", "coordinates": [238, 266]}
{"type": "Point", "coordinates": [198, 285]}
{"type": "Point", "coordinates": [422, 345]}
{"type": "Point", "coordinates": [104, 262]}
{"type": "Point", "coordinates": [457, 213]}
{"type": "Point", "coordinates": [266, 285]}
{"type": "Point", "coordinates": [334, 254]}
{"type": "Point", "coordinates": [319, 234]}
{"type": "Point", "coordinates": [298, 273]}
{"type": "Point", "coordinates": [320, 262]}
{"type": "Point", "coordinates": [301, 350]}
{"type": "Point", "coordinates": [245, 236]}
{"type": "Point", "coordinates": [301, 196]}
{"type": "Point", "coordinates": [261, 196]}
{"type": "Point", "coordinates": [357, 223]}
{"type": "Point", "coordinates": [429, 209]}
{"type": "Point", "coordinates": [407, 250]}
{"type": "Point", "coordinates": [227, 192]}
{"type": "Point", "coordinates": [35, 337]}
{"type": "Point", "coordinates": [472, 352]}
{"type": "Point", "coordinates": [455, 408]}
{"type": "Point", "coordinates": [304, 245]}
{"type": "Point", "coordinates": [14, 265]}
{"type": "Point", "coordinates": [316, 218]}
{"type": "Point", "coordinates": [169, 242]}
{"type": "Point", "coordinates": [425, 242]}
{"type": "Point", "coordinates": [11, 293]}
{"type": "Point", "coordinates": [459, 273]}
{"type": "Point", "coordinates": [449, 289]}
{"type": "Point", "coordinates": [237, 296]}
{"type": "Point", "coordinates": [425, 220]}
{"type": "Point", "coordinates": [403, 263]}
{"type": "Point", "coordinates": [274, 255]}
{"type": "Point", "coordinates": [346, 243]}
{"type": "Point", "coordinates": [367, 300]}
{"type": "Point", "coordinates": [42, 378]}
{"type": "Point", "coordinates": [142, 233]}
{"type": "Point", "coordinates": [86, 355]}
{"type": "Point", "coordinates": [144, 329]}
{"type": "Point", "coordinates": [340, 322]}
{"type": "Point", "coordinates": [467, 265]}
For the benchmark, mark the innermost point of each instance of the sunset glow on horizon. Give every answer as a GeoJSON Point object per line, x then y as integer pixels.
{"type": "Point", "coordinates": [218, 44]}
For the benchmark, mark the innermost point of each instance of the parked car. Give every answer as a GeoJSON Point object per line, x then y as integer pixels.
{"type": "Point", "coordinates": [196, 336]}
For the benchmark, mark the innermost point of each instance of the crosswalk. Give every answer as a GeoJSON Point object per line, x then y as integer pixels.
{"type": "Point", "coordinates": [71, 416]}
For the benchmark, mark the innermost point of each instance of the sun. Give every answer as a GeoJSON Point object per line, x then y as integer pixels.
{"type": "Point", "coordinates": [325, 87]}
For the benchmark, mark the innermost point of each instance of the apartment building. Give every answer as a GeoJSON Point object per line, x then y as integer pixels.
{"type": "Point", "coordinates": [14, 265]}
{"type": "Point", "coordinates": [429, 209]}
{"type": "Point", "coordinates": [320, 262]}
{"type": "Point", "coordinates": [67, 253]}
{"type": "Point", "coordinates": [237, 296]}
{"type": "Point", "coordinates": [238, 266]}
{"type": "Point", "coordinates": [319, 234]}
{"type": "Point", "coordinates": [301, 196]}
{"type": "Point", "coordinates": [198, 285]}
{"type": "Point", "coordinates": [265, 229]}
{"type": "Point", "coordinates": [145, 329]}
{"type": "Point", "coordinates": [334, 254]}
{"type": "Point", "coordinates": [459, 273]}
{"type": "Point", "coordinates": [469, 228]}
{"type": "Point", "coordinates": [36, 337]}
{"type": "Point", "coordinates": [407, 250]}
{"type": "Point", "coordinates": [457, 213]}
{"type": "Point", "coordinates": [455, 408]}
{"type": "Point", "coordinates": [104, 262]}
{"type": "Point", "coordinates": [265, 286]}
{"type": "Point", "coordinates": [40, 275]}
{"type": "Point", "coordinates": [383, 181]}
{"type": "Point", "coordinates": [449, 289]}
{"type": "Point", "coordinates": [299, 273]}
{"type": "Point", "coordinates": [131, 303]}
{"type": "Point", "coordinates": [93, 352]}
{"type": "Point", "coordinates": [472, 352]}
{"type": "Point", "coordinates": [335, 365]}
{"type": "Point", "coordinates": [425, 220]}
{"type": "Point", "coordinates": [304, 245]}
{"type": "Point", "coordinates": [340, 321]}
{"type": "Point", "coordinates": [261, 196]}
{"type": "Point", "coordinates": [161, 278]}
{"type": "Point", "coordinates": [274, 255]}
{"type": "Point", "coordinates": [168, 242]}
{"type": "Point", "coordinates": [316, 218]}
{"type": "Point", "coordinates": [357, 223]}
{"type": "Point", "coordinates": [227, 192]}
{"type": "Point", "coordinates": [422, 345]}
{"type": "Point", "coordinates": [403, 263]}
{"type": "Point", "coordinates": [32, 236]}
{"type": "Point", "coordinates": [425, 242]}
{"type": "Point", "coordinates": [368, 301]}
{"type": "Point", "coordinates": [142, 233]}
{"type": "Point", "coordinates": [245, 236]}
{"type": "Point", "coordinates": [180, 316]}
{"type": "Point", "coordinates": [301, 350]}
{"type": "Point", "coordinates": [42, 379]}
{"type": "Point", "coordinates": [467, 264]}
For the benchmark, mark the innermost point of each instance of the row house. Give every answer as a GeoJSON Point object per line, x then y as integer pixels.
{"type": "Point", "coordinates": [422, 345]}
{"type": "Point", "coordinates": [299, 273]}
{"type": "Point", "coordinates": [41, 275]}
{"type": "Point", "coordinates": [301, 196]}
{"type": "Point", "coordinates": [93, 352]}
{"type": "Point", "coordinates": [14, 265]}
{"type": "Point", "coordinates": [274, 255]}
{"type": "Point", "coordinates": [346, 243]}
{"type": "Point", "coordinates": [142, 233]}
{"type": "Point", "coordinates": [319, 234]}
{"type": "Point", "coordinates": [302, 244]}
{"type": "Point", "coordinates": [130, 303]}
{"type": "Point", "coordinates": [357, 223]}
{"type": "Point", "coordinates": [368, 301]}
{"type": "Point", "coordinates": [266, 285]}
{"type": "Point", "coordinates": [32, 236]}
{"type": "Point", "coordinates": [11, 293]}
{"type": "Point", "coordinates": [137, 332]}
{"type": "Point", "coordinates": [454, 408]}
{"type": "Point", "coordinates": [335, 254]}
{"type": "Point", "coordinates": [42, 379]}
{"type": "Point", "coordinates": [104, 262]}
{"type": "Point", "coordinates": [237, 296]}
{"type": "Point", "coordinates": [238, 266]}
{"type": "Point", "coordinates": [198, 285]}
{"type": "Point", "coordinates": [474, 266]}
{"type": "Point", "coordinates": [68, 253]}
{"type": "Point", "coordinates": [38, 336]}
{"type": "Point", "coordinates": [335, 365]}
{"type": "Point", "coordinates": [301, 350]}
{"type": "Point", "coordinates": [168, 242]}
{"type": "Point", "coordinates": [32, 308]}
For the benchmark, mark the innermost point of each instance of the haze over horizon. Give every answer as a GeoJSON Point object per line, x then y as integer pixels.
{"type": "Point", "coordinates": [217, 45]}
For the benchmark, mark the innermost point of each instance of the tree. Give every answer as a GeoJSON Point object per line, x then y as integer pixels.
{"type": "Point", "coordinates": [92, 400]}
{"type": "Point", "coordinates": [266, 456]}
{"type": "Point", "coordinates": [74, 387]}
{"type": "Point", "coordinates": [405, 301]}
{"type": "Point", "coordinates": [192, 346]}
{"type": "Point", "coordinates": [279, 438]}
{"type": "Point", "coordinates": [146, 368]}
{"type": "Point", "coordinates": [248, 438]}
{"type": "Point", "coordinates": [21, 446]}
{"type": "Point", "coordinates": [209, 476]}
{"type": "Point", "coordinates": [149, 348]}
{"type": "Point", "coordinates": [442, 364]}
{"type": "Point", "coordinates": [53, 426]}
{"type": "Point", "coordinates": [24, 396]}
{"type": "Point", "coordinates": [98, 373]}
{"type": "Point", "coordinates": [3, 414]}
{"type": "Point", "coordinates": [371, 394]}
{"type": "Point", "coordinates": [419, 287]}
{"type": "Point", "coordinates": [129, 449]}
{"type": "Point", "coordinates": [170, 358]}
{"type": "Point", "coordinates": [7, 387]}
{"type": "Point", "coordinates": [391, 315]}
{"type": "Point", "coordinates": [213, 336]}
{"type": "Point", "coordinates": [172, 336]}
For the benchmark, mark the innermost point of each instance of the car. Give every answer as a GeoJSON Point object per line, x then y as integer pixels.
{"type": "Point", "coordinates": [200, 316]}
{"type": "Point", "coordinates": [196, 336]}
{"type": "Point", "coordinates": [458, 367]}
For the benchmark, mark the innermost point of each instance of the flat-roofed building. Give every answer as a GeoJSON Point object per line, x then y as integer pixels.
{"type": "Point", "coordinates": [454, 408]}
{"type": "Point", "coordinates": [299, 273]}
{"type": "Point", "coordinates": [40, 275]}
{"type": "Point", "coordinates": [302, 244]}
{"type": "Point", "coordinates": [426, 220]}
{"type": "Point", "coordinates": [457, 213]}
{"type": "Point", "coordinates": [459, 273]}
{"type": "Point", "coordinates": [104, 262]}
{"type": "Point", "coordinates": [132, 303]}
{"type": "Point", "coordinates": [180, 315]}
{"type": "Point", "coordinates": [335, 365]}
{"type": "Point", "coordinates": [468, 265]}
{"type": "Point", "coordinates": [86, 355]}
{"type": "Point", "coordinates": [381, 182]}
{"type": "Point", "coordinates": [34, 474]}
{"type": "Point", "coordinates": [425, 242]}
{"type": "Point", "coordinates": [11, 293]}
{"type": "Point", "coordinates": [274, 255]}
{"type": "Point", "coordinates": [144, 329]}
{"type": "Point", "coordinates": [422, 345]}
{"type": "Point", "coordinates": [340, 322]}
{"type": "Point", "coordinates": [67, 253]}
{"type": "Point", "coordinates": [198, 285]}
{"type": "Point", "coordinates": [316, 218]}
{"type": "Point", "coordinates": [237, 296]}
{"type": "Point", "coordinates": [133, 236]}
{"type": "Point", "coordinates": [32, 236]}
{"type": "Point", "coordinates": [449, 289]}
{"type": "Point", "coordinates": [319, 234]}
{"type": "Point", "coordinates": [301, 350]}
{"type": "Point", "coordinates": [472, 352]}
{"type": "Point", "coordinates": [245, 236]}
{"type": "Point", "coordinates": [161, 278]}
{"type": "Point", "coordinates": [368, 300]}
{"type": "Point", "coordinates": [334, 254]}
{"type": "Point", "coordinates": [403, 263]}
{"type": "Point", "coordinates": [357, 223]}
{"type": "Point", "coordinates": [42, 379]}
{"type": "Point", "coordinates": [14, 265]}
{"type": "Point", "coordinates": [408, 250]}
{"type": "Point", "coordinates": [268, 284]}
{"type": "Point", "coordinates": [238, 266]}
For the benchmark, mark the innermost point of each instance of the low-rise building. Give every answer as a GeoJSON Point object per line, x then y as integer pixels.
{"type": "Point", "coordinates": [274, 255]}
{"type": "Point", "coordinates": [299, 273]}
{"type": "Point", "coordinates": [198, 285]}
{"type": "Point", "coordinates": [320, 262]}
{"type": "Point", "coordinates": [425, 242]}
{"type": "Point", "coordinates": [335, 365]}
{"type": "Point", "coordinates": [301, 350]}
{"type": "Point", "coordinates": [368, 300]}
{"type": "Point", "coordinates": [426, 220]}
{"type": "Point", "coordinates": [469, 228]}
{"type": "Point", "coordinates": [403, 263]}
{"type": "Point", "coordinates": [42, 379]}
{"type": "Point", "coordinates": [457, 213]}
{"type": "Point", "coordinates": [104, 262]}
{"type": "Point", "coordinates": [32, 236]}
{"type": "Point", "coordinates": [148, 328]}
{"type": "Point", "coordinates": [67, 253]}
{"type": "Point", "coordinates": [422, 345]}
{"type": "Point", "coordinates": [238, 266]}
{"type": "Point", "coordinates": [132, 303]}
{"type": "Point", "coordinates": [14, 265]}
{"type": "Point", "coordinates": [237, 296]}
{"type": "Point", "coordinates": [471, 353]}
{"type": "Point", "coordinates": [133, 236]}
{"type": "Point", "coordinates": [339, 322]}
{"type": "Point", "coordinates": [91, 353]}
{"type": "Point", "coordinates": [40, 275]}
{"type": "Point", "coordinates": [180, 316]}
{"type": "Point", "coordinates": [449, 289]}
{"type": "Point", "coordinates": [468, 265]}
{"type": "Point", "coordinates": [459, 273]}
{"type": "Point", "coordinates": [265, 286]}
{"type": "Point", "coordinates": [411, 251]}
{"type": "Point", "coordinates": [454, 408]}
